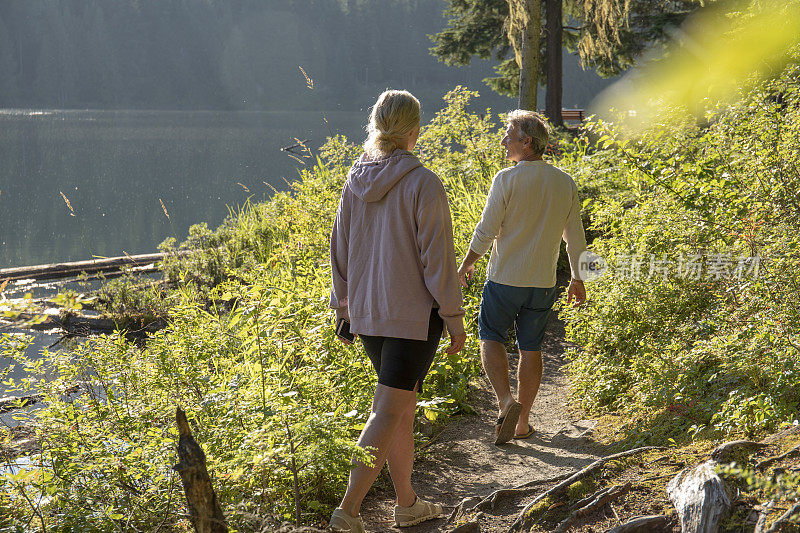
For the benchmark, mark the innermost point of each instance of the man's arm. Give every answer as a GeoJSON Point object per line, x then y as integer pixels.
{"type": "Point", "coordinates": [467, 268]}
{"type": "Point", "coordinates": [575, 239]}
{"type": "Point", "coordinates": [486, 231]}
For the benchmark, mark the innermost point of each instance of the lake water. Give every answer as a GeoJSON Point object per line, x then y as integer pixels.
{"type": "Point", "coordinates": [115, 166]}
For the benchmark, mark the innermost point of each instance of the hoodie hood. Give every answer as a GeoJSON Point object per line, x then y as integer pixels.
{"type": "Point", "coordinates": [371, 179]}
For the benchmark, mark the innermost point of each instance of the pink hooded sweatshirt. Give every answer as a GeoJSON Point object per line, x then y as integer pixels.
{"type": "Point", "coordinates": [392, 251]}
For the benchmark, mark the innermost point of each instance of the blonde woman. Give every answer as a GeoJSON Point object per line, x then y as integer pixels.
{"type": "Point", "coordinates": [395, 285]}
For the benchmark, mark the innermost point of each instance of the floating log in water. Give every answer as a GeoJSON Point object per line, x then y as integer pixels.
{"type": "Point", "coordinates": [66, 270]}
{"type": "Point", "coordinates": [77, 323]}
{"type": "Point", "coordinates": [19, 402]}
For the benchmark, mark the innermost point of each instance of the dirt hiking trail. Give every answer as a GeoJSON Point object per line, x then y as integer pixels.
{"type": "Point", "coordinates": [463, 462]}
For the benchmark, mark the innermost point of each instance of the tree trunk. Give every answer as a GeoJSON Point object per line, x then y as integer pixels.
{"type": "Point", "coordinates": [529, 70]}
{"type": "Point", "coordinates": [553, 49]}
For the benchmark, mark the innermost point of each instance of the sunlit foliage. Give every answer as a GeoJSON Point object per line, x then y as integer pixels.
{"type": "Point", "coordinates": [713, 55]}
{"type": "Point", "coordinates": [717, 353]}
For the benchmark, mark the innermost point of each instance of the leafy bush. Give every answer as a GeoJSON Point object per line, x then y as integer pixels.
{"type": "Point", "coordinates": [715, 353]}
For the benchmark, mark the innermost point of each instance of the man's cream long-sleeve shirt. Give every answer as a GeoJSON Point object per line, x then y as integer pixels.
{"type": "Point", "coordinates": [530, 208]}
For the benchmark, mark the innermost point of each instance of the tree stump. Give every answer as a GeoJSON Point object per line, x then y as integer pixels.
{"type": "Point", "coordinates": [701, 498]}
{"type": "Point", "coordinates": [204, 510]}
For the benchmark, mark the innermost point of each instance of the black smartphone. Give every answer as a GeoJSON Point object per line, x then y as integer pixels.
{"type": "Point", "coordinates": [343, 330]}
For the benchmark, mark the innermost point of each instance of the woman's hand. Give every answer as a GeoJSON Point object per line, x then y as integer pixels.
{"type": "Point", "coordinates": [456, 343]}
{"type": "Point", "coordinates": [344, 312]}
{"type": "Point", "coordinates": [345, 341]}
{"type": "Point", "coordinates": [345, 309]}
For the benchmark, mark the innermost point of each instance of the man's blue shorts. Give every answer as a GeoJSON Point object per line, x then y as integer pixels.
{"type": "Point", "coordinates": [528, 308]}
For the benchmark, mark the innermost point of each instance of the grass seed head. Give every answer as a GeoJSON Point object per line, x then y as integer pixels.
{"type": "Point", "coordinates": [66, 201]}
{"type": "Point", "coordinates": [309, 81]}
{"type": "Point", "coordinates": [164, 208]}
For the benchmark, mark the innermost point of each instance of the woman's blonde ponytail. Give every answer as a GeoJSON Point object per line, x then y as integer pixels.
{"type": "Point", "coordinates": [394, 115]}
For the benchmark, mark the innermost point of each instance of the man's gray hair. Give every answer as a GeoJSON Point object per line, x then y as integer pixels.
{"type": "Point", "coordinates": [533, 125]}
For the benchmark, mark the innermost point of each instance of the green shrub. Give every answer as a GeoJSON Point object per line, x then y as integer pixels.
{"type": "Point", "coordinates": [718, 353]}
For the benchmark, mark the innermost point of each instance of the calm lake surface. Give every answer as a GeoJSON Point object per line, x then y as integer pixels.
{"type": "Point", "coordinates": [115, 166]}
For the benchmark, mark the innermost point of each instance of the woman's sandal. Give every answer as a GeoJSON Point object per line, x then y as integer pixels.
{"type": "Point", "coordinates": [344, 523]}
{"type": "Point", "coordinates": [419, 512]}
{"type": "Point", "coordinates": [507, 423]}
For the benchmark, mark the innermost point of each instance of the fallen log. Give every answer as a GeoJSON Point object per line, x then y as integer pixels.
{"type": "Point", "coordinates": [523, 520]}
{"type": "Point", "coordinates": [204, 510]}
{"type": "Point", "coordinates": [701, 498]}
{"type": "Point", "coordinates": [74, 268]}
{"type": "Point", "coordinates": [642, 524]}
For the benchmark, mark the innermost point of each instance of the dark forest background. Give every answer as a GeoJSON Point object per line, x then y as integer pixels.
{"type": "Point", "coordinates": [232, 54]}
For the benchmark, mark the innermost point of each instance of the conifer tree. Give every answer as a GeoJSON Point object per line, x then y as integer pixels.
{"type": "Point", "coordinates": [608, 35]}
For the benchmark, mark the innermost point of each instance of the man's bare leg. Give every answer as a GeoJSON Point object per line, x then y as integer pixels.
{"type": "Point", "coordinates": [495, 364]}
{"type": "Point", "coordinates": [529, 377]}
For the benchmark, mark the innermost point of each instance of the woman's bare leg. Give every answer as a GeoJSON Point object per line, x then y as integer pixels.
{"type": "Point", "coordinates": [389, 409]}
{"type": "Point", "coordinates": [401, 458]}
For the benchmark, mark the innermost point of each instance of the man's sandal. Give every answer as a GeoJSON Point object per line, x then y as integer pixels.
{"type": "Point", "coordinates": [526, 434]}
{"type": "Point", "coordinates": [507, 423]}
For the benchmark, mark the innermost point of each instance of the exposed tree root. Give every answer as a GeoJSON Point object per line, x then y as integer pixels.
{"type": "Point", "coordinates": [761, 523]}
{"type": "Point", "coordinates": [642, 524]}
{"type": "Point", "coordinates": [769, 460]}
{"type": "Point", "coordinates": [522, 520]}
{"type": "Point", "coordinates": [784, 518]}
{"type": "Point", "coordinates": [722, 452]}
{"type": "Point", "coordinates": [594, 503]}
{"type": "Point", "coordinates": [490, 502]}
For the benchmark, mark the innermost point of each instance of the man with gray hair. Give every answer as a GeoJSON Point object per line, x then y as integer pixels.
{"type": "Point", "coordinates": [530, 208]}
